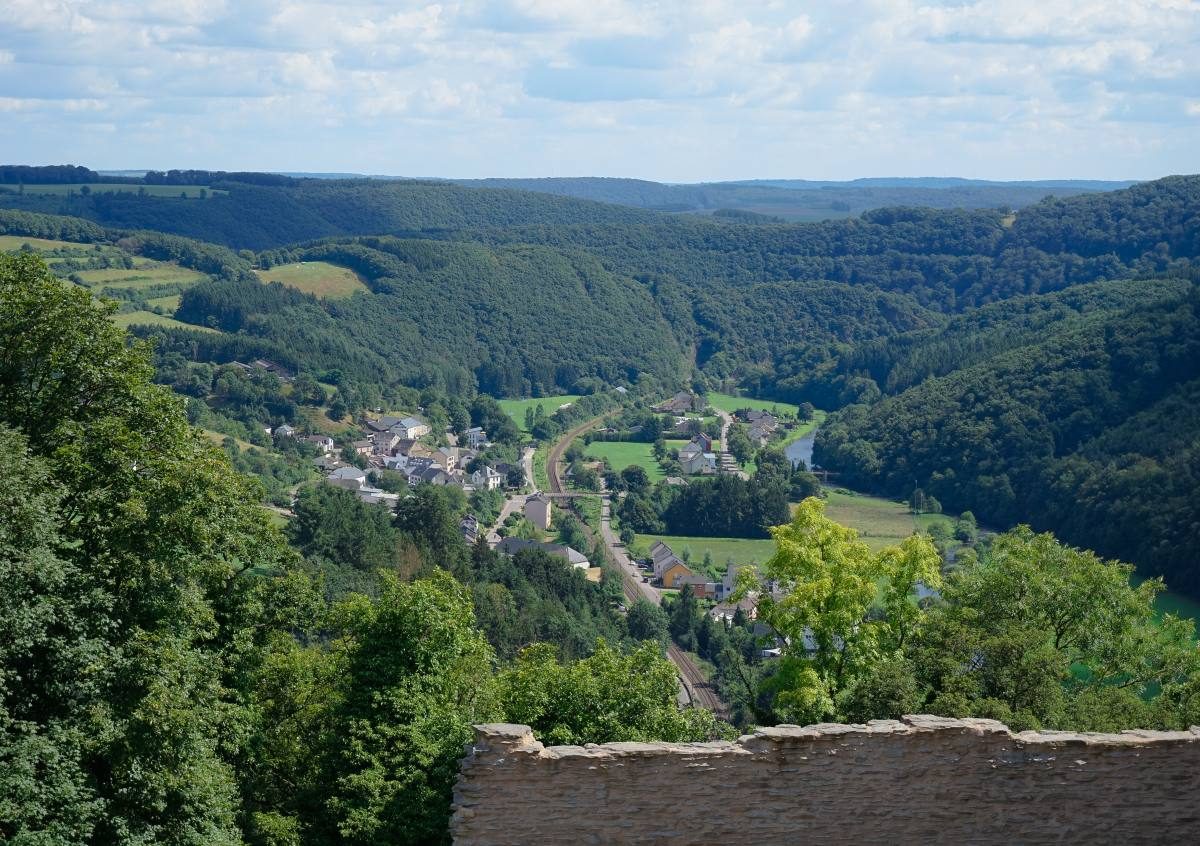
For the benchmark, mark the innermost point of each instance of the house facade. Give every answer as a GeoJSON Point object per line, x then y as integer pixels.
{"type": "Point", "coordinates": [538, 510]}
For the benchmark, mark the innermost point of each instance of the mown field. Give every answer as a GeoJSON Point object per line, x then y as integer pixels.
{"type": "Point", "coordinates": [319, 278]}
{"type": "Point", "coordinates": [622, 454]}
{"type": "Point", "coordinates": [15, 242]}
{"type": "Point", "coordinates": [739, 550]}
{"type": "Point", "coordinates": [515, 408]}
{"type": "Point", "coordinates": [145, 276]}
{"type": "Point", "coordinates": [880, 522]}
{"type": "Point", "coordinates": [730, 403]}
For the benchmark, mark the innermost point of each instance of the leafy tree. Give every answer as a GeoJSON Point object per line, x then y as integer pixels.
{"type": "Point", "coordinates": [335, 524]}
{"type": "Point", "coordinates": [635, 478]}
{"type": "Point", "coordinates": [50, 684]}
{"type": "Point", "coordinates": [166, 540]}
{"type": "Point", "coordinates": [1040, 633]}
{"type": "Point", "coordinates": [739, 445]}
{"type": "Point", "coordinates": [828, 580]}
{"type": "Point", "coordinates": [604, 698]}
{"type": "Point", "coordinates": [647, 621]}
{"type": "Point", "coordinates": [407, 703]}
{"type": "Point", "coordinates": [965, 528]}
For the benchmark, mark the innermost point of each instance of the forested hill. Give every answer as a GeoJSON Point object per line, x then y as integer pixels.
{"type": "Point", "coordinates": [1000, 361]}
{"type": "Point", "coordinates": [509, 320]}
{"type": "Point", "coordinates": [241, 215]}
{"type": "Point", "coordinates": [798, 199]}
{"type": "Point", "coordinates": [1088, 425]}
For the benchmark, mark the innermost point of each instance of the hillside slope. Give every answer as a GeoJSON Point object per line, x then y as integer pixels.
{"type": "Point", "coordinates": [1089, 428]}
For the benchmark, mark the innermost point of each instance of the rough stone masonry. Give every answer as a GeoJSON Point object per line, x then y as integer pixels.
{"type": "Point", "coordinates": [920, 780]}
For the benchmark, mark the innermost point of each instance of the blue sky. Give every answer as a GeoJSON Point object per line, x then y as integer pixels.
{"type": "Point", "coordinates": [675, 91]}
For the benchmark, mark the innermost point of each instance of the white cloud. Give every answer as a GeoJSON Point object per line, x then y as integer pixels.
{"type": "Point", "coordinates": [668, 89]}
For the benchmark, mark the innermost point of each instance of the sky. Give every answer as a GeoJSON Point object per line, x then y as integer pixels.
{"type": "Point", "coordinates": [695, 90]}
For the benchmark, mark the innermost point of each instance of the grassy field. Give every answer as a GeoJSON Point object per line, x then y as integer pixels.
{"type": "Point", "coordinates": [589, 509]}
{"type": "Point", "coordinates": [15, 242]}
{"type": "Point", "coordinates": [320, 421]}
{"type": "Point", "coordinates": [122, 188]}
{"type": "Point", "coordinates": [168, 303]}
{"type": "Point", "coordinates": [880, 522]}
{"type": "Point", "coordinates": [319, 278]}
{"type": "Point", "coordinates": [149, 318]}
{"type": "Point", "coordinates": [515, 408]}
{"type": "Point", "coordinates": [541, 477]}
{"type": "Point", "coordinates": [164, 273]}
{"type": "Point", "coordinates": [730, 403]}
{"type": "Point", "coordinates": [622, 454]}
{"type": "Point", "coordinates": [741, 550]}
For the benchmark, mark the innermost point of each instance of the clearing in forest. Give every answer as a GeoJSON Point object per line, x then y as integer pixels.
{"type": "Point", "coordinates": [319, 278]}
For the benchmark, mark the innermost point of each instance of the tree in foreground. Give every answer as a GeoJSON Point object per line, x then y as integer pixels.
{"type": "Point", "coordinates": [145, 547]}
{"type": "Point", "coordinates": [1031, 632]}
{"type": "Point", "coordinates": [604, 698]}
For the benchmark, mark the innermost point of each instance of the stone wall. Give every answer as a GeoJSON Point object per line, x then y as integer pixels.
{"type": "Point", "coordinates": [920, 780]}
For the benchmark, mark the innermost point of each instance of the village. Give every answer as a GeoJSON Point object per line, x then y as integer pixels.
{"type": "Point", "coordinates": [404, 446]}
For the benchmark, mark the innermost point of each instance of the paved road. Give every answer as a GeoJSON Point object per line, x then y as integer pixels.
{"type": "Point", "coordinates": [725, 459]}
{"type": "Point", "coordinates": [527, 463]}
{"type": "Point", "coordinates": [699, 691]}
{"type": "Point", "coordinates": [514, 504]}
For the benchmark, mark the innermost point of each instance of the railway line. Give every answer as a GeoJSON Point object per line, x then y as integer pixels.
{"type": "Point", "coordinates": [699, 691]}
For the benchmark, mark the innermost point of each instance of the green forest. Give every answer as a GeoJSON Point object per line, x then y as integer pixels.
{"type": "Point", "coordinates": [175, 667]}
{"type": "Point", "coordinates": [1031, 366]}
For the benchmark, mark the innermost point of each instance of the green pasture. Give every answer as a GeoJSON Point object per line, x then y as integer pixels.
{"type": "Point", "coordinates": [722, 550]}
{"type": "Point", "coordinates": [622, 454]}
{"type": "Point", "coordinates": [731, 403]}
{"type": "Point", "coordinates": [515, 408]}
{"type": "Point", "coordinates": [319, 278]}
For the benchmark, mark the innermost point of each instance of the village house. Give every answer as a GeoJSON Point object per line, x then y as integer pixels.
{"type": "Point", "coordinates": [724, 612]}
{"type": "Point", "coordinates": [284, 431]}
{"type": "Point", "coordinates": [701, 587]}
{"type": "Point", "coordinates": [673, 575]}
{"type": "Point", "coordinates": [376, 496]}
{"type": "Point", "coordinates": [273, 368]}
{"type": "Point", "coordinates": [385, 442]}
{"type": "Point", "coordinates": [476, 437]}
{"type": "Point", "coordinates": [682, 402]}
{"type": "Point", "coordinates": [508, 470]}
{"type": "Point", "coordinates": [411, 428]}
{"type": "Point", "coordinates": [327, 463]}
{"type": "Point", "coordinates": [321, 442]}
{"type": "Point", "coordinates": [350, 478]}
{"type": "Point", "coordinates": [470, 528]}
{"type": "Point", "coordinates": [363, 447]}
{"type": "Point", "coordinates": [448, 457]}
{"type": "Point", "coordinates": [694, 459]}
{"type": "Point", "coordinates": [432, 475]}
{"type": "Point", "coordinates": [511, 546]}
{"type": "Point", "coordinates": [383, 423]}
{"type": "Point", "coordinates": [487, 479]}
{"type": "Point", "coordinates": [538, 510]}
{"type": "Point", "coordinates": [758, 436]}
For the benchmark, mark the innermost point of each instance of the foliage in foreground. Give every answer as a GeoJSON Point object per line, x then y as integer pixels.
{"type": "Point", "coordinates": [168, 676]}
{"type": "Point", "coordinates": [1031, 632]}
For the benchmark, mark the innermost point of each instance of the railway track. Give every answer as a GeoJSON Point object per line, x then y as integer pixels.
{"type": "Point", "coordinates": [699, 691]}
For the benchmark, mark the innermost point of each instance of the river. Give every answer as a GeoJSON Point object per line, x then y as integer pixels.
{"type": "Point", "coordinates": [801, 449]}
